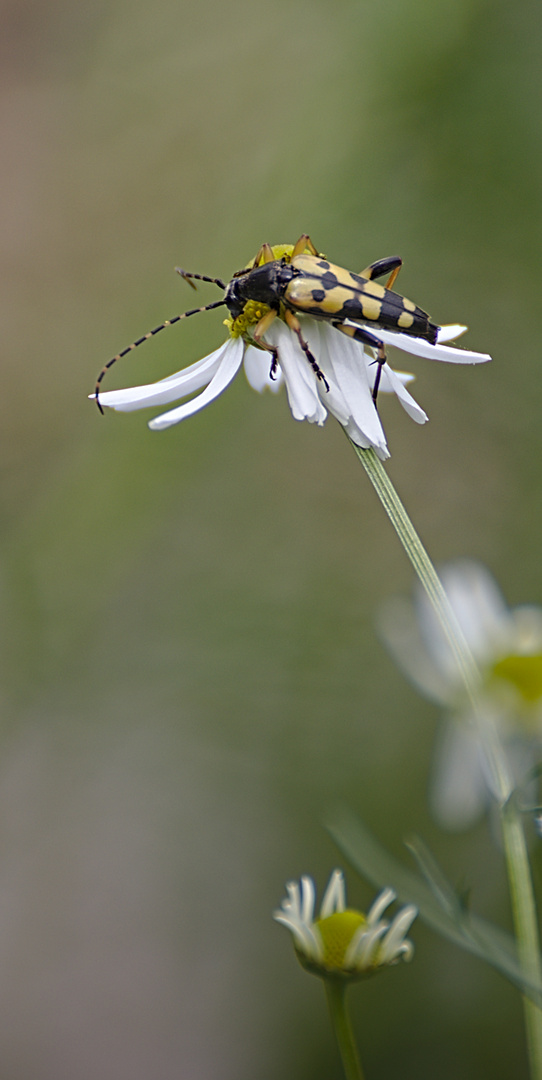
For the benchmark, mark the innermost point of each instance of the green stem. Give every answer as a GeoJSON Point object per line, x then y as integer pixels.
{"type": "Point", "coordinates": [336, 999]}
{"type": "Point", "coordinates": [517, 862]}
{"type": "Point", "coordinates": [525, 923]}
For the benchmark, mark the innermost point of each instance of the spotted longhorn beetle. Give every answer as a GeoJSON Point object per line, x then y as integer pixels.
{"type": "Point", "coordinates": [302, 281]}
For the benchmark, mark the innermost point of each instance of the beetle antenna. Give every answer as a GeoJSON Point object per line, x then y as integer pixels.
{"type": "Point", "coordinates": [199, 277]}
{"type": "Point", "coordinates": [151, 333]}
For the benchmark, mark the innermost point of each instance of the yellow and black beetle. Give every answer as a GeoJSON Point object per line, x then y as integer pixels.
{"type": "Point", "coordinates": [304, 282]}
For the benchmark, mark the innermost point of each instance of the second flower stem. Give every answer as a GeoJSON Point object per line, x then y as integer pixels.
{"type": "Point", "coordinates": [515, 847]}
{"type": "Point", "coordinates": [336, 999]}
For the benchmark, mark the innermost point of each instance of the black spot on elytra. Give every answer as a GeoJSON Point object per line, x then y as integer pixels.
{"type": "Point", "coordinates": [318, 294]}
{"type": "Point", "coordinates": [357, 279]}
{"type": "Point", "coordinates": [352, 309]}
{"type": "Point", "coordinates": [329, 280]}
{"type": "Point", "coordinates": [323, 264]}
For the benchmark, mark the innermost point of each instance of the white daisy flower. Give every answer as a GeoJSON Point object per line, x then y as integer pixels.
{"type": "Point", "coordinates": [342, 383]}
{"type": "Point", "coordinates": [507, 646]}
{"type": "Point", "coordinates": [341, 941]}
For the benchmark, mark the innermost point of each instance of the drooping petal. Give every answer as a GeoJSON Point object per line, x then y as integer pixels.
{"type": "Point", "coordinates": [385, 386]}
{"type": "Point", "coordinates": [407, 401]}
{"type": "Point", "coordinates": [165, 390]}
{"type": "Point", "coordinates": [257, 365]}
{"type": "Point", "coordinates": [305, 936]}
{"type": "Point", "coordinates": [480, 609]}
{"type": "Point", "coordinates": [299, 377]}
{"type": "Point", "coordinates": [230, 362]}
{"type": "Point", "coordinates": [350, 397]}
{"type": "Point", "coordinates": [400, 630]}
{"type": "Point", "coordinates": [394, 944]}
{"type": "Point", "coordinates": [458, 792]}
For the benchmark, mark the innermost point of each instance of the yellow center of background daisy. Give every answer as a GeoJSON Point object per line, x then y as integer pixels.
{"type": "Point", "coordinates": [525, 674]}
{"type": "Point", "coordinates": [336, 933]}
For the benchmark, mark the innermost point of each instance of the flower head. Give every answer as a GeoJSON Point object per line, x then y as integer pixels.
{"type": "Point", "coordinates": [507, 646]}
{"type": "Point", "coordinates": [341, 942]}
{"type": "Point", "coordinates": [340, 384]}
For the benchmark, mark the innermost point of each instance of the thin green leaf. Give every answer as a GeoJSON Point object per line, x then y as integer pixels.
{"type": "Point", "coordinates": [438, 905]}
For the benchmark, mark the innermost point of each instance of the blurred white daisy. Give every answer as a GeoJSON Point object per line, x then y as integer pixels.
{"type": "Point", "coordinates": [343, 942]}
{"type": "Point", "coordinates": [507, 646]}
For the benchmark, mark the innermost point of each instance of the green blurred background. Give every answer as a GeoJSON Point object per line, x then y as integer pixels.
{"type": "Point", "coordinates": [191, 675]}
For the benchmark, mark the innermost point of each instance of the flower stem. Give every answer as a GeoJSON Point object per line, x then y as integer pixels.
{"type": "Point", "coordinates": [336, 999]}
{"type": "Point", "coordinates": [515, 847]}
{"type": "Point", "coordinates": [526, 926]}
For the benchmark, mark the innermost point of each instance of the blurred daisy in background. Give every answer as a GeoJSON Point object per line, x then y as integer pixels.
{"type": "Point", "coordinates": [507, 646]}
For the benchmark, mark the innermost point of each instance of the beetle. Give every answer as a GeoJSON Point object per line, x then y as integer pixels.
{"type": "Point", "coordinates": [303, 282]}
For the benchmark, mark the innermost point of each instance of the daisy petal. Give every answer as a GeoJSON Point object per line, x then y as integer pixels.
{"type": "Point", "coordinates": [170, 389]}
{"type": "Point", "coordinates": [451, 332]}
{"type": "Point", "coordinates": [308, 897]}
{"type": "Point", "coordinates": [300, 380]}
{"type": "Point", "coordinates": [257, 368]}
{"type": "Point", "coordinates": [383, 900]}
{"type": "Point", "coordinates": [407, 401]}
{"type": "Point", "coordinates": [231, 359]}
{"type": "Point", "coordinates": [419, 347]}
{"type": "Point", "coordinates": [458, 791]}
{"type": "Point", "coordinates": [334, 896]}
{"type": "Point", "coordinates": [344, 360]}
{"type": "Point", "coordinates": [385, 386]}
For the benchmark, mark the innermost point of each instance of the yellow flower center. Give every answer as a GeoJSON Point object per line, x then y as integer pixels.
{"type": "Point", "coordinates": [250, 315]}
{"type": "Point", "coordinates": [337, 932]}
{"type": "Point", "coordinates": [524, 673]}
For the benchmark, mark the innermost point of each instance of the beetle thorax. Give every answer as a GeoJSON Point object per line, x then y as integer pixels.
{"type": "Point", "coordinates": [265, 284]}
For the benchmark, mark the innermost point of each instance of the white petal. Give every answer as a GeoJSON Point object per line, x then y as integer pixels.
{"type": "Point", "coordinates": [480, 609]}
{"type": "Point", "coordinates": [230, 363]}
{"type": "Point", "coordinates": [307, 901]}
{"type": "Point", "coordinates": [334, 896]}
{"type": "Point", "coordinates": [407, 401]}
{"type": "Point", "coordinates": [392, 945]}
{"type": "Point", "coordinates": [305, 937]}
{"type": "Point", "coordinates": [343, 361]}
{"type": "Point", "coordinates": [451, 332]}
{"type": "Point", "coordinates": [383, 900]}
{"type": "Point", "coordinates": [400, 630]}
{"type": "Point", "coordinates": [293, 903]}
{"type": "Point", "coordinates": [385, 385]}
{"type": "Point", "coordinates": [257, 367]}
{"type": "Point", "coordinates": [357, 437]}
{"type": "Point", "coordinates": [458, 791]}
{"type": "Point", "coordinates": [170, 389]}
{"type": "Point", "coordinates": [365, 947]}
{"type": "Point", "coordinates": [419, 347]}
{"type": "Point", "coordinates": [358, 945]}
{"type": "Point", "coordinates": [299, 377]}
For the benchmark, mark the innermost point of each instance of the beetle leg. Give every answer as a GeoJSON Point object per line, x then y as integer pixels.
{"type": "Point", "coordinates": [265, 255]}
{"type": "Point", "coordinates": [366, 338]}
{"type": "Point", "coordinates": [257, 334]}
{"type": "Point", "coordinates": [293, 323]}
{"type": "Point", "coordinates": [304, 242]}
{"type": "Point", "coordinates": [391, 266]}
